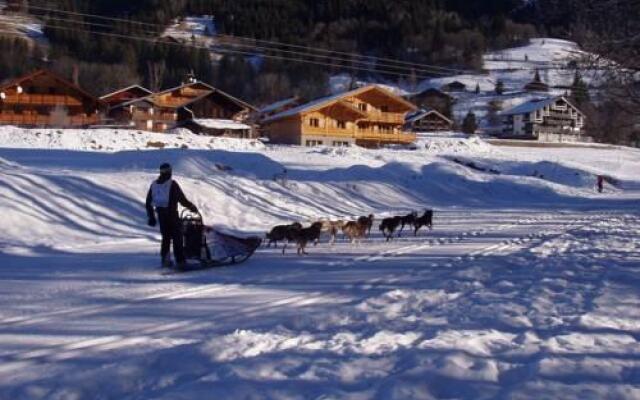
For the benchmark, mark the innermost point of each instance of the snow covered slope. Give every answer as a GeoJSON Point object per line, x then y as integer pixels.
{"type": "Point", "coordinates": [555, 59]}
{"type": "Point", "coordinates": [526, 287]}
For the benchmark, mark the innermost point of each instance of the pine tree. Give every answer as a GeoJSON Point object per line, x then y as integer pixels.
{"type": "Point", "coordinates": [536, 77]}
{"type": "Point", "coordinates": [580, 90]}
{"type": "Point", "coordinates": [470, 125]}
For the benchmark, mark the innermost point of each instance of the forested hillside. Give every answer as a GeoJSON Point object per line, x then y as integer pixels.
{"type": "Point", "coordinates": [443, 33]}
{"type": "Point", "coordinates": [109, 54]}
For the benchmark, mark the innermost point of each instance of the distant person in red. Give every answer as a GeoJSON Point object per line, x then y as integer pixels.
{"type": "Point", "coordinates": [164, 195]}
{"type": "Point", "coordinates": [600, 183]}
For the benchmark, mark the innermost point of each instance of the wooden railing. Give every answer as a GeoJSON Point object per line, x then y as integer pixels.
{"type": "Point", "coordinates": [41, 99]}
{"type": "Point", "coordinates": [391, 137]}
{"type": "Point", "coordinates": [390, 118]}
{"type": "Point", "coordinates": [399, 137]}
{"type": "Point", "coordinates": [9, 119]}
{"type": "Point", "coordinates": [161, 117]}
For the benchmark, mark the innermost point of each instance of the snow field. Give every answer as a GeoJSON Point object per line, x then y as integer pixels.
{"type": "Point", "coordinates": [525, 288]}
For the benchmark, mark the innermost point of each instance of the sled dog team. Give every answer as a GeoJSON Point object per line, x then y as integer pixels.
{"type": "Point", "coordinates": [355, 231]}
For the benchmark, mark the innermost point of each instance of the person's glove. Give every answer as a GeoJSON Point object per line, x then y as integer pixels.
{"type": "Point", "coordinates": [152, 221]}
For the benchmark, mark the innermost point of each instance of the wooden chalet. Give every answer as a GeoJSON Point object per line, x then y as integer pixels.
{"type": "Point", "coordinates": [129, 93]}
{"type": "Point", "coordinates": [433, 99]}
{"type": "Point", "coordinates": [44, 99]}
{"type": "Point", "coordinates": [370, 116]}
{"type": "Point", "coordinates": [428, 120]}
{"type": "Point", "coordinates": [552, 119]}
{"type": "Point", "coordinates": [175, 107]}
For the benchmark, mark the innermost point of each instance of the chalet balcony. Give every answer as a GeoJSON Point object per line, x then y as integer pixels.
{"type": "Point", "coordinates": [556, 130]}
{"type": "Point", "coordinates": [45, 120]}
{"type": "Point", "coordinates": [41, 100]}
{"type": "Point", "coordinates": [389, 118]}
{"type": "Point", "coordinates": [159, 117]}
{"type": "Point", "coordinates": [400, 137]}
{"type": "Point", "coordinates": [391, 137]}
{"type": "Point", "coordinates": [173, 101]}
{"type": "Point", "coordinates": [562, 117]}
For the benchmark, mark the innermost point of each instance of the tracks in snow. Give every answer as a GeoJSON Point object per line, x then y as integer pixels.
{"type": "Point", "coordinates": [78, 347]}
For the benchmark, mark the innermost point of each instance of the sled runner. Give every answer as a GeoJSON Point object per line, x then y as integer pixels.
{"type": "Point", "coordinates": [210, 248]}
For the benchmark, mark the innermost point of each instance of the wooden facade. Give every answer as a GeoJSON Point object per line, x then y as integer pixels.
{"type": "Point", "coordinates": [43, 99]}
{"type": "Point", "coordinates": [428, 121]}
{"type": "Point", "coordinates": [369, 117]}
{"type": "Point", "coordinates": [174, 107]}
{"type": "Point", "coordinates": [434, 99]}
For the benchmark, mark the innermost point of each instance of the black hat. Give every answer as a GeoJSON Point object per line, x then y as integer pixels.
{"type": "Point", "coordinates": [165, 168]}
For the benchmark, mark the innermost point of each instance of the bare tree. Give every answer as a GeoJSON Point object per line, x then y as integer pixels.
{"type": "Point", "coordinates": [610, 31]}
{"type": "Point", "coordinates": [156, 70]}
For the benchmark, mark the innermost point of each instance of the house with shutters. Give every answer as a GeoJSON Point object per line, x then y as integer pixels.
{"type": "Point", "coordinates": [369, 116]}
{"type": "Point", "coordinates": [44, 99]}
{"type": "Point", "coordinates": [551, 119]}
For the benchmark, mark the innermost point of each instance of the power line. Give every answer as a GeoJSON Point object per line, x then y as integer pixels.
{"type": "Point", "coordinates": [270, 42]}
{"type": "Point", "coordinates": [365, 64]}
{"type": "Point", "coordinates": [359, 65]}
{"type": "Point", "coordinates": [228, 51]}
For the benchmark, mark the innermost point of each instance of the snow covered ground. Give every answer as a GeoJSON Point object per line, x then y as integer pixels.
{"type": "Point", "coordinates": [527, 286]}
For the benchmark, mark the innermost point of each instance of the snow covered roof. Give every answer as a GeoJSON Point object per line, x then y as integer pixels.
{"type": "Point", "coordinates": [324, 101]}
{"type": "Point", "coordinates": [278, 104]}
{"type": "Point", "coordinates": [536, 104]}
{"type": "Point", "coordinates": [208, 90]}
{"type": "Point", "coordinates": [486, 83]}
{"type": "Point", "coordinates": [132, 87]}
{"type": "Point", "coordinates": [221, 124]}
{"type": "Point", "coordinates": [418, 115]}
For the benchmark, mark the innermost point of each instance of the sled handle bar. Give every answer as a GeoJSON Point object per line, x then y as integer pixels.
{"type": "Point", "coordinates": [186, 213]}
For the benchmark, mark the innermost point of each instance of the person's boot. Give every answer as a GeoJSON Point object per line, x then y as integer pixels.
{"type": "Point", "coordinates": [166, 262]}
{"type": "Point", "coordinates": [181, 264]}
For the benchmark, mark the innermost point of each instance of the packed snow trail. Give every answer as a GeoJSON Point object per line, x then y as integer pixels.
{"type": "Point", "coordinates": [343, 323]}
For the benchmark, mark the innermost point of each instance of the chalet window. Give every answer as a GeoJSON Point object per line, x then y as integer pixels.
{"type": "Point", "coordinates": [362, 107]}
{"type": "Point", "coordinates": [52, 90]}
{"type": "Point", "coordinates": [384, 108]}
{"type": "Point", "coordinates": [340, 144]}
{"type": "Point", "coordinates": [315, 122]}
{"type": "Point", "coordinates": [341, 124]}
{"type": "Point", "coordinates": [312, 143]}
{"type": "Point", "coordinates": [385, 129]}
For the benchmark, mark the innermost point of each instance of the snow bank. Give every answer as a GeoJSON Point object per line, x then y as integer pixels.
{"type": "Point", "coordinates": [112, 140]}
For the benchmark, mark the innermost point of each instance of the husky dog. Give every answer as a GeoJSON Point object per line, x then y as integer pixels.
{"type": "Point", "coordinates": [282, 232]}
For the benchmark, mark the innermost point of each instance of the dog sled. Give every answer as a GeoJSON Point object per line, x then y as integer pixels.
{"type": "Point", "coordinates": [205, 247]}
